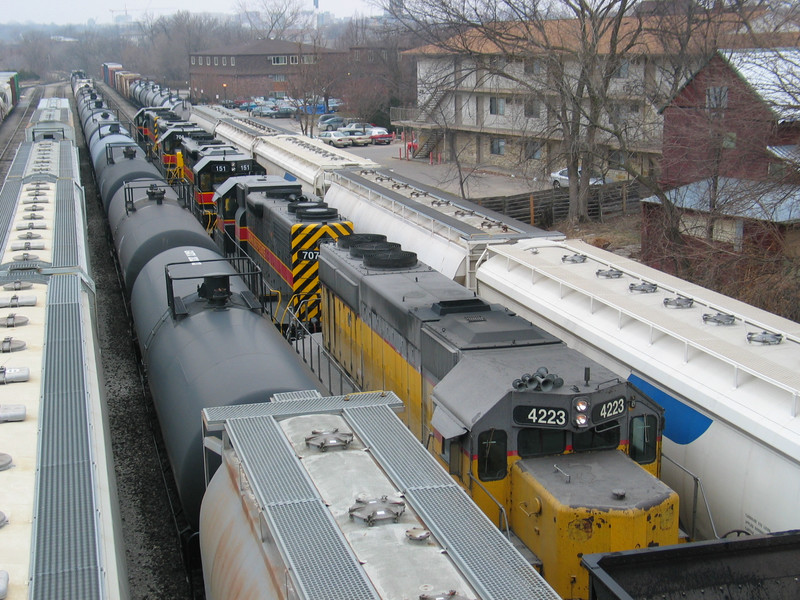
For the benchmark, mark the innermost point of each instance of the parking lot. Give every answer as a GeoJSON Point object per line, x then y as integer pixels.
{"type": "Point", "coordinates": [478, 184]}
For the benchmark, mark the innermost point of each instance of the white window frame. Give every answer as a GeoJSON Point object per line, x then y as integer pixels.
{"type": "Point", "coordinates": [194, 60]}
{"type": "Point", "coordinates": [278, 61]}
{"type": "Point", "coordinates": [233, 61]}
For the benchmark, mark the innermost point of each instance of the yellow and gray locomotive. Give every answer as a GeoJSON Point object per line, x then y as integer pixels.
{"type": "Point", "coordinates": [546, 441]}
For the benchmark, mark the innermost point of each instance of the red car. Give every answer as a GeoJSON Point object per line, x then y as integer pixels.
{"type": "Point", "coordinates": [379, 135]}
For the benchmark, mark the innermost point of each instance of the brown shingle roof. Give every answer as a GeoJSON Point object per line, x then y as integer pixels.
{"type": "Point", "coordinates": [646, 35]}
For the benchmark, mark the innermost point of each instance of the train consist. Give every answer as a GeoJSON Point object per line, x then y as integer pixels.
{"type": "Point", "coordinates": [707, 407]}
{"type": "Point", "coordinates": [201, 332]}
{"type": "Point", "coordinates": [725, 372]}
{"type": "Point", "coordinates": [725, 380]}
{"type": "Point", "coordinates": [208, 347]}
{"type": "Point", "coordinates": [59, 512]}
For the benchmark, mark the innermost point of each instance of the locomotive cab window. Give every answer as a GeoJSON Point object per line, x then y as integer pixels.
{"type": "Point", "coordinates": [492, 450]}
{"type": "Point", "coordinates": [540, 442]}
{"type": "Point", "coordinates": [602, 437]}
{"type": "Point", "coordinates": [643, 436]}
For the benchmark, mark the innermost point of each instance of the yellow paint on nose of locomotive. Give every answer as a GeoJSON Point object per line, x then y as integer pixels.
{"type": "Point", "coordinates": [566, 506]}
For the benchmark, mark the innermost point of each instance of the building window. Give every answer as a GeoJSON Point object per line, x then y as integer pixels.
{"type": "Point", "coordinates": [533, 108]}
{"type": "Point", "coordinates": [224, 61]}
{"type": "Point", "coordinates": [384, 55]}
{"type": "Point", "coordinates": [717, 98]}
{"type": "Point", "coordinates": [617, 159]}
{"type": "Point", "coordinates": [309, 59]}
{"type": "Point", "coordinates": [497, 106]}
{"type": "Point", "coordinates": [497, 63]}
{"type": "Point", "coordinates": [533, 150]}
{"type": "Point", "coordinates": [278, 77]}
{"type": "Point", "coordinates": [498, 146]}
{"type": "Point", "coordinates": [534, 66]}
{"type": "Point", "coordinates": [233, 61]}
{"type": "Point", "coordinates": [208, 61]}
{"type": "Point", "coordinates": [621, 71]}
{"type": "Point", "coordinates": [293, 60]}
{"type": "Point", "coordinates": [370, 56]}
{"type": "Point", "coordinates": [279, 60]}
{"type": "Point", "coordinates": [356, 55]}
{"type": "Point", "coordinates": [194, 60]}
{"type": "Point", "coordinates": [216, 61]}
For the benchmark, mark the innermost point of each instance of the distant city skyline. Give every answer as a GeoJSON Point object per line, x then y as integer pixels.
{"type": "Point", "coordinates": [102, 12]}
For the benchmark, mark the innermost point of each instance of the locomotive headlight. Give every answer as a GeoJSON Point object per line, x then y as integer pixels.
{"type": "Point", "coordinates": [581, 420]}
{"type": "Point", "coordinates": [581, 404]}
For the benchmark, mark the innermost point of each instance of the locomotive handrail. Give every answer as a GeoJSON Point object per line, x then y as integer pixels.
{"type": "Point", "coordinates": [502, 509]}
{"type": "Point", "coordinates": [698, 486]}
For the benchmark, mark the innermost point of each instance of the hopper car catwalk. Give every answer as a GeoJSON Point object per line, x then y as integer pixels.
{"type": "Point", "coordinates": [59, 513]}
{"type": "Point", "coordinates": [725, 372]}
{"type": "Point", "coordinates": [544, 439]}
{"type": "Point", "coordinates": [205, 342]}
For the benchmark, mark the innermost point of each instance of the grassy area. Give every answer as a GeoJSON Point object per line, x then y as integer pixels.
{"type": "Point", "coordinates": [618, 234]}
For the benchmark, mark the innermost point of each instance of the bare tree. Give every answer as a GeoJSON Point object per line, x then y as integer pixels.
{"type": "Point", "coordinates": [277, 19]}
{"type": "Point", "coordinates": [571, 65]}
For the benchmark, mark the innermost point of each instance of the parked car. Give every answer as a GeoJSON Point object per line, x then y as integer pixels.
{"type": "Point", "coordinates": [356, 127]}
{"type": "Point", "coordinates": [561, 178]}
{"type": "Point", "coordinates": [331, 124]}
{"type": "Point", "coordinates": [357, 137]}
{"type": "Point", "coordinates": [284, 112]}
{"type": "Point", "coordinates": [263, 111]}
{"type": "Point", "coordinates": [379, 135]}
{"type": "Point", "coordinates": [328, 117]}
{"type": "Point", "coordinates": [335, 138]}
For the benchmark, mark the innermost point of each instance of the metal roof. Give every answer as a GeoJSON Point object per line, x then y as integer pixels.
{"type": "Point", "coordinates": [773, 74]}
{"type": "Point", "coordinates": [760, 200]}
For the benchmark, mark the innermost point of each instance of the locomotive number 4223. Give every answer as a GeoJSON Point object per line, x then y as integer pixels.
{"type": "Point", "coordinates": [541, 416]}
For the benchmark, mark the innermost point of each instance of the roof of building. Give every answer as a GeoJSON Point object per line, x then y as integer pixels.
{"type": "Point", "coordinates": [773, 74]}
{"type": "Point", "coordinates": [265, 47]}
{"type": "Point", "coordinates": [636, 35]}
{"type": "Point", "coordinates": [759, 200]}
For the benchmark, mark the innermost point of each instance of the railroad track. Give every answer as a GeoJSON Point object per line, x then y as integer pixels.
{"type": "Point", "coordinates": [12, 131]}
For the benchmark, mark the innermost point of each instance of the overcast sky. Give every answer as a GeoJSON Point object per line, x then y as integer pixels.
{"type": "Point", "coordinates": [64, 12]}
